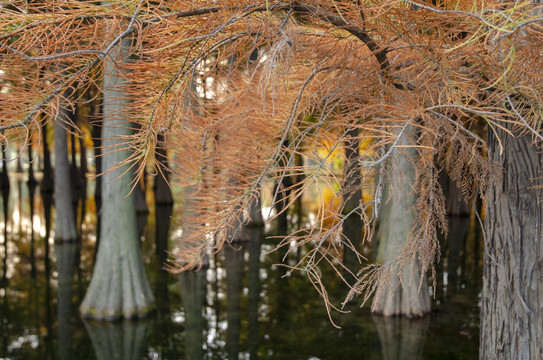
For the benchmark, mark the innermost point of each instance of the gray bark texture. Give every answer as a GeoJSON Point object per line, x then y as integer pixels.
{"type": "Point", "coordinates": [65, 226]}
{"type": "Point", "coordinates": [512, 304]}
{"type": "Point", "coordinates": [403, 295]}
{"type": "Point", "coordinates": [119, 286]}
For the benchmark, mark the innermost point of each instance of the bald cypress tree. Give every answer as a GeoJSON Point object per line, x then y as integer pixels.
{"type": "Point", "coordinates": [119, 285]}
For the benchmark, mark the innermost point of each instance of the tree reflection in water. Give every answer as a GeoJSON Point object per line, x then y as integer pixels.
{"type": "Point", "coordinates": [123, 340]}
{"type": "Point", "coordinates": [402, 338]}
{"type": "Point", "coordinates": [66, 263]}
{"type": "Point", "coordinates": [241, 307]}
{"type": "Point", "coordinates": [192, 285]}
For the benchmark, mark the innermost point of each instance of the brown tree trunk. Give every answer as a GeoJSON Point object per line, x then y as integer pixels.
{"type": "Point", "coordinates": [512, 305]}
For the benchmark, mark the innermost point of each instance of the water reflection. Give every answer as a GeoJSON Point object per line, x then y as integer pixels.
{"type": "Point", "coordinates": [192, 285]}
{"type": "Point", "coordinates": [47, 199]}
{"type": "Point", "coordinates": [125, 340]}
{"type": "Point", "coordinates": [241, 307]}
{"type": "Point", "coordinates": [256, 234]}
{"type": "Point", "coordinates": [402, 338]}
{"type": "Point", "coordinates": [66, 263]}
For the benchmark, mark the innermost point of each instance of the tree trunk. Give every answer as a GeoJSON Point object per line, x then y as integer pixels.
{"type": "Point", "coordinates": [162, 221]}
{"type": "Point", "coordinates": [74, 170]}
{"type": "Point", "coordinates": [119, 286]}
{"type": "Point", "coordinates": [5, 187]}
{"type": "Point", "coordinates": [82, 181]}
{"type": "Point", "coordinates": [97, 145]}
{"type": "Point", "coordinates": [46, 184]}
{"type": "Point", "coordinates": [65, 229]}
{"type": "Point", "coordinates": [31, 191]}
{"type": "Point", "coordinates": [352, 196]}
{"type": "Point", "coordinates": [163, 193]}
{"type": "Point", "coordinates": [402, 295]}
{"type": "Point", "coordinates": [512, 310]}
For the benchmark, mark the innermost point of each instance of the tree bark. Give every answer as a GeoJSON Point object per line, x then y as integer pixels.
{"type": "Point", "coordinates": [97, 145]}
{"type": "Point", "coordinates": [119, 286]}
{"type": "Point", "coordinates": [163, 193]}
{"type": "Point", "coordinates": [402, 295]}
{"type": "Point", "coordinates": [65, 228]}
{"type": "Point", "coordinates": [5, 186]}
{"type": "Point", "coordinates": [512, 304]}
{"type": "Point", "coordinates": [352, 196]}
{"type": "Point", "coordinates": [46, 184]}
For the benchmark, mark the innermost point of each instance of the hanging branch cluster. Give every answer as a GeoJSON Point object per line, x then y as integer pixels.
{"type": "Point", "coordinates": [240, 88]}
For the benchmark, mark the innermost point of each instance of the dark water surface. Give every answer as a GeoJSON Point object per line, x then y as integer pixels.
{"type": "Point", "coordinates": [241, 307]}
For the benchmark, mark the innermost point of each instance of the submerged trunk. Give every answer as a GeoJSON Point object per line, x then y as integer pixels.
{"type": "Point", "coordinates": [119, 286]}
{"type": "Point", "coordinates": [512, 311]}
{"type": "Point", "coordinates": [402, 295]}
{"type": "Point", "coordinates": [65, 229]}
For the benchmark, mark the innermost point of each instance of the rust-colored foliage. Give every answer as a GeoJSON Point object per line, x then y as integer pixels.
{"type": "Point", "coordinates": [238, 88]}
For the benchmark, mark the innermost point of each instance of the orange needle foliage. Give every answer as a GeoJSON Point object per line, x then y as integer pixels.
{"type": "Point", "coordinates": [238, 88]}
